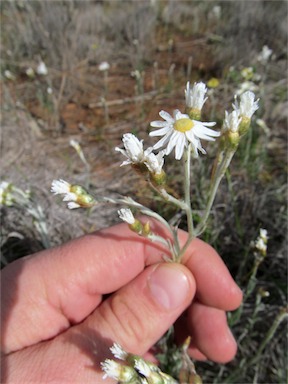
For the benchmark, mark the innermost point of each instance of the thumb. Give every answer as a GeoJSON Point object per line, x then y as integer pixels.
{"type": "Point", "coordinates": [139, 313]}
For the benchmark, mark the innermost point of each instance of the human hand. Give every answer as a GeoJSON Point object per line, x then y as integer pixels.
{"type": "Point", "coordinates": [57, 326]}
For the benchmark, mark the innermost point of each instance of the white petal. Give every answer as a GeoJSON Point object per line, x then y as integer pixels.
{"type": "Point", "coordinates": [126, 162]}
{"type": "Point", "coordinates": [161, 131]}
{"type": "Point", "coordinates": [173, 141]}
{"type": "Point", "coordinates": [162, 141]}
{"type": "Point", "coordinates": [178, 115]}
{"type": "Point", "coordinates": [158, 124]}
{"type": "Point", "coordinates": [60, 186]}
{"type": "Point", "coordinates": [210, 124]}
{"type": "Point", "coordinates": [72, 205]}
{"type": "Point", "coordinates": [190, 136]}
{"type": "Point", "coordinates": [179, 148]}
{"type": "Point", "coordinates": [70, 196]}
{"type": "Point", "coordinates": [166, 116]}
{"type": "Point", "coordinates": [117, 149]}
{"type": "Point", "coordinates": [126, 215]}
{"type": "Point", "coordinates": [118, 351]}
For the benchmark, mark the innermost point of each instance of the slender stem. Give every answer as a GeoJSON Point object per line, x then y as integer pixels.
{"type": "Point", "coordinates": [146, 211]}
{"type": "Point", "coordinates": [187, 197]}
{"type": "Point", "coordinates": [171, 199]}
{"type": "Point", "coordinates": [220, 172]}
{"type": "Point", "coordinates": [178, 203]}
{"type": "Point", "coordinates": [187, 189]}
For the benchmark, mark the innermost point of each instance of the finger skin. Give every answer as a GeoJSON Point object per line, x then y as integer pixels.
{"type": "Point", "coordinates": [133, 317]}
{"type": "Point", "coordinates": [48, 292]}
{"type": "Point", "coordinates": [210, 333]}
{"type": "Point", "coordinates": [215, 285]}
{"type": "Point", "coordinates": [56, 288]}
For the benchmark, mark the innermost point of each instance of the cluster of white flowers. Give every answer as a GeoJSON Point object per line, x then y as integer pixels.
{"type": "Point", "coordinates": [265, 54]}
{"type": "Point", "coordinates": [75, 195]}
{"type": "Point", "coordinates": [231, 121]}
{"type": "Point", "coordinates": [104, 66]}
{"type": "Point", "coordinates": [177, 131]}
{"type": "Point", "coordinates": [126, 215]}
{"type": "Point", "coordinates": [137, 371]}
{"type": "Point", "coordinates": [238, 121]}
{"type": "Point", "coordinates": [42, 69]}
{"type": "Point", "coordinates": [135, 154]}
{"type": "Point", "coordinates": [260, 244]}
{"type": "Point", "coordinates": [195, 96]}
{"type": "Point", "coordinates": [247, 106]}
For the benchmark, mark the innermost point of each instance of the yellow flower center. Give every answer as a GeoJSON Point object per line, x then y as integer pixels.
{"type": "Point", "coordinates": [183, 125]}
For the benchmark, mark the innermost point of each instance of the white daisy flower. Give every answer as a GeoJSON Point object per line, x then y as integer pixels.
{"type": "Point", "coordinates": [260, 245]}
{"type": "Point", "coordinates": [75, 195]}
{"type": "Point", "coordinates": [112, 369]}
{"type": "Point", "coordinates": [126, 215]}
{"type": "Point", "coordinates": [118, 351]}
{"type": "Point", "coordinates": [265, 54]}
{"type": "Point", "coordinates": [178, 130]}
{"type": "Point", "coordinates": [42, 69]}
{"type": "Point", "coordinates": [60, 186]}
{"type": "Point", "coordinates": [104, 66]}
{"type": "Point", "coordinates": [195, 97]}
{"type": "Point", "coordinates": [247, 105]}
{"type": "Point", "coordinates": [133, 149]}
{"type": "Point", "coordinates": [232, 121]}
{"type": "Point", "coordinates": [263, 234]}
{"type": "Point", "coordinates": [154, 162]}
{"type": "Point", "coordinates": [118, 372]}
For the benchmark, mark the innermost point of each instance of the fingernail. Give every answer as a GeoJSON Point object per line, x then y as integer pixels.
{"type": "Point", "coordinates": [169, 286]}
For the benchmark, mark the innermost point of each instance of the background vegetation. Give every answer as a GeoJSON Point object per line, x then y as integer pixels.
{"type": "Point", "coordinates": [153, 47]}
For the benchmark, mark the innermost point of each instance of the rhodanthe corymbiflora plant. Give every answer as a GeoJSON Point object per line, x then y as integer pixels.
{"type": "Point", "coordinates": [181, 136]}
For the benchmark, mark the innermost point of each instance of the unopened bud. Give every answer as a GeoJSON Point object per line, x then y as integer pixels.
{"type": "Point", "coordinates": [85, 200]}
{"type": "Point", "coordinates": [158, 179]}
{"type": "Point", "coordinates": [244, 125]}
{"type": "Point", "coordinates": [189, 377]}
{"type": "Point", "coordinates": [137, 227]}
{"type": "Point", "coordinates": [232, 140]}
{"type": "Point", "coordinates": [77, 189]}
{"type": "Point", "coordinates": [194, 113]}
{"type": "Point", "coordinates": [146, 229]}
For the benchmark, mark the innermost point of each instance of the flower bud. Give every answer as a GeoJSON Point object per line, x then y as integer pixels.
{"type": "Point", "coordinates": [85, 200]}
{"type": "Point", "coordinates": [244, 125]}
{"type": "Point", "coordinates": [194, 113]}
{"type": "Point", "coordinates": [146, 229]}
{"type": "Point", "coordinates": [137, 227]}
{"type": "Point", "coordinates": [158, 179]}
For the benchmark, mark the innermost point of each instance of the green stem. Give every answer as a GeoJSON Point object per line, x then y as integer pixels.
{"type": "Point", "coordinates": [187, 197]}
{"type": "Point", "coordinates": [144, 210]}
{"type": "Point", "coordinates": [220, 172]}
{"type": "Point", "coordinates": [187, 189]}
